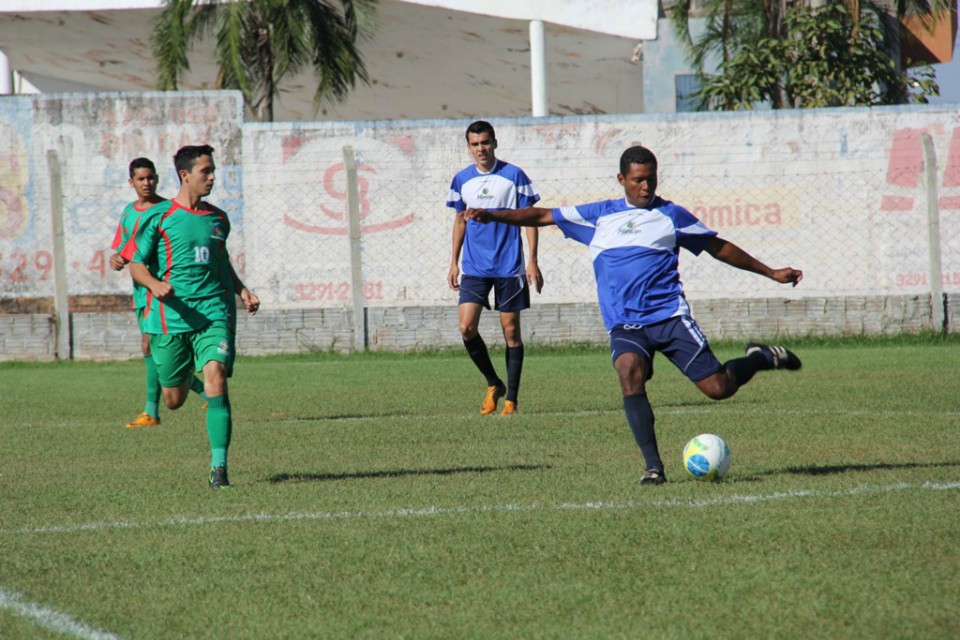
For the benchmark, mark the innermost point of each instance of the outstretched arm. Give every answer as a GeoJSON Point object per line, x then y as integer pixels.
{"type": "Point", "coordinates": [526, 217]}
{"type": "Point", "coordinates": [726, 251]}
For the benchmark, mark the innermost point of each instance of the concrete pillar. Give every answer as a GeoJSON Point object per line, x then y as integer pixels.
{"type": "Point", "coordinates": [538, 70]}
{"type": "Point", "coordinates": [6, 76]}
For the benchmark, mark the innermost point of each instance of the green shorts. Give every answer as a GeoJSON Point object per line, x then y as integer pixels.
{"type": "Point", "coordinates": [178, 355]}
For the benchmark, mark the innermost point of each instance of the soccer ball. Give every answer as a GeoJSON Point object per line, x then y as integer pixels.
{"type": "Point", "coordinates": [707, 457]}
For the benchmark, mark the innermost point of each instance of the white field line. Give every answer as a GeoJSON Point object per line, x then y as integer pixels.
{"type": "Point", "coordinates": [50, 619]}
{"type": "Point", "coordinates": [186, 521]}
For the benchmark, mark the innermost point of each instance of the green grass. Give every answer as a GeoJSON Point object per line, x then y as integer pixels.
{"type": "Point", "coordinates": [372, 501]}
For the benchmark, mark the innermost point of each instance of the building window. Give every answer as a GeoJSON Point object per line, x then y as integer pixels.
{"type": "Point", "coordinates": [686, 89]}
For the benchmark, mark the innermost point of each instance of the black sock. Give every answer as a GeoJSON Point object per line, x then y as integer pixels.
{"type": "Point", "coordinates": [514, 368]}
{"type": "Point", "coordinates": [477, 349]}
{"type": "Point", "coordinates": [641, 421]}
{"type": "Point", "coordinates": [742, 369]}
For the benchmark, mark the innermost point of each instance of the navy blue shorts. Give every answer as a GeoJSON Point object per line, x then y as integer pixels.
{"type": "Point", "coordinates": [679, 338]}
{"type": "Point", "coordinates": [511, 294]}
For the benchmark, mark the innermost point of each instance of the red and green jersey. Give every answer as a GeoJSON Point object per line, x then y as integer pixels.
{"type": "Point", "coordinates": [123, 242]}
{"type": "Point", "coordinates": [189, 250]}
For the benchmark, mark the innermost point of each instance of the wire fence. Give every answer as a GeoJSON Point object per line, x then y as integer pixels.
{"type": "Point", "coordinates": [839, 194]}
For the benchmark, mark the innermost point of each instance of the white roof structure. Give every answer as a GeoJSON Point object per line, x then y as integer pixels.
{"type": "Point", "coordinates": [428, 59]}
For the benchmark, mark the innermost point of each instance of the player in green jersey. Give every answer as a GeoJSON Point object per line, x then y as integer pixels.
{"type": "Point", "coordinates": [144, 180]}
{"type": "Point", "coordinates": [188, 309]}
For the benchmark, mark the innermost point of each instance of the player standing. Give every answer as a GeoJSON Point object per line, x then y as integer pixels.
{"type": "Point", "coordinates": [188, 313]}
{"type": "Point", "coordinates": [492, 259]}
{"type": "Point", "coordinates": [635, 243]}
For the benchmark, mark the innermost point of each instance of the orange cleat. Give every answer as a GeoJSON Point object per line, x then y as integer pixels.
{"type": "Point", "coordinates": [143, 420]}
{"type": "Point", "coordinates": [509, 408]}
{"type": "Point", "coordinates": [494, 394]}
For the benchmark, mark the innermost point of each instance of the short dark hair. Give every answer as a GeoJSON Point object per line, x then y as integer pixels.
{"type": "Point", "coordinates": [187, 156]}
{"type": "Point", "coordinates": [142, 163]}
{"type": "Point", "coordinates": [478, 127]}
{"type": "Point", "coordinates": [636, 155]}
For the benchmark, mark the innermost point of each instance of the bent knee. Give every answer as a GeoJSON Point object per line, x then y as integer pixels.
{"type": "Point", "coordinates": [174, 402]}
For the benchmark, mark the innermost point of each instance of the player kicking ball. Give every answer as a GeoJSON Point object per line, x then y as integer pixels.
{"type": "Point", "coordinates": [635, 244]}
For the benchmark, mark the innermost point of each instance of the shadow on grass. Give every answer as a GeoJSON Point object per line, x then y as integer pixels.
{"type": "Point", "coordinates": [286, 417]}
{"type": "Point", "coordinates": [817, 470]}
{"type": "Point", "coordinates": [397, 473]}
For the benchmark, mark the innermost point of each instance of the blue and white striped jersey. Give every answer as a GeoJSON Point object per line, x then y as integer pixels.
{"type": "Point", "coordinates": [492, 250]}
{"type": "Point", "coordinates": [635, 256]}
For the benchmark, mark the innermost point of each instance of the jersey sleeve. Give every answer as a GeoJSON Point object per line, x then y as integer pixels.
{"type": "Point", "coordinates": [576, 223]}
{"type": "Point", "coordinates": [143, 244]}
{"type": "Point", "coordinates": [128, 250]}
{"type": "Point", "coordinates": [117, 237]}
{"type": "Point", "coordinates": [454, 199]}
{"type": "Point", "coordinates": [692, 235]}
{"type": "Point", "coordinates": [527, 195]}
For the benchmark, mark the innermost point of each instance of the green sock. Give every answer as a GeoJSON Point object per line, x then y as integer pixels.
{"type": "Point", "coordinates": [219, 426]}
{"type": "Point", "coordinates": [153, 388]}
{"type": "Point", "coordinates": [197, 385]}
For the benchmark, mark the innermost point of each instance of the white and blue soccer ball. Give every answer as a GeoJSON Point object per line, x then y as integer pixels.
{"type": "Point", "coordinates": [707, 457]}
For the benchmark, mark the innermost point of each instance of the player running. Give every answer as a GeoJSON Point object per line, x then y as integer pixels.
{"type": "Point", "coordinates": [188, 310]}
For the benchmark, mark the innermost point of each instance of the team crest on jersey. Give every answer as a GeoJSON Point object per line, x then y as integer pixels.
{"type": "Point", "coordinates": [224, 348]}
{"type": "Point", "coordinates": [631, 227]}
{"type": "Point", "coordinates": [215, 231]}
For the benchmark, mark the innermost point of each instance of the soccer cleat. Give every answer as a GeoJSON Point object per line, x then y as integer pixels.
{"type": "Point", "coordinates": [143, 420]}
{"type": "Point", "coordinates": [781, 357]}
{"type": "Point", "coordinates": [653, 477]}
{"type": "Point", "coordinates": [494, 394]}
{"type": "Point", "coordinates": [218, 478]}
{"type": "Point", "coordinates": [509, 408]}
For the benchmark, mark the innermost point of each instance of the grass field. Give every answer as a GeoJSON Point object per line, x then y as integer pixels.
{"type": "Point", "coordinates": [372, 501]}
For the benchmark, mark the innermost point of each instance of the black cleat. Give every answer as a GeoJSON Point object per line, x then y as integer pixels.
{"type": "Point", "coordinates": [781, 357]}
{"type": "Point", "coordinates": [218, 478]}
{"type": "Point", "coordinates": [653, 477]}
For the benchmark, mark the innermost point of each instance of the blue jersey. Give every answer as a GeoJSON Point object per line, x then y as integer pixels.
{"type": "Point", "coordinates": [492, 250]}
{"type": "Point", "coordinates": [635, 255]}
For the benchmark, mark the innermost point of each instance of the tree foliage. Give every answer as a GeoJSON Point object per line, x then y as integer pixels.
{"type": "Point", "coordinates": [800, 56]}
{"type": "Point", "coordinates": [258, 43]}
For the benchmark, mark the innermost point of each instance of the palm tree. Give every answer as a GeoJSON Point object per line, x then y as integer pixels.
{"type": "Point", "coordinates": [749, 35]}
{"type": "Point", "coordinates": [259, 42]}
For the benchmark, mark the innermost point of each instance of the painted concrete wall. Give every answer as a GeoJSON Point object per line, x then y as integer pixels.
{"type": "Point", "coordinates": [838, 193]}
